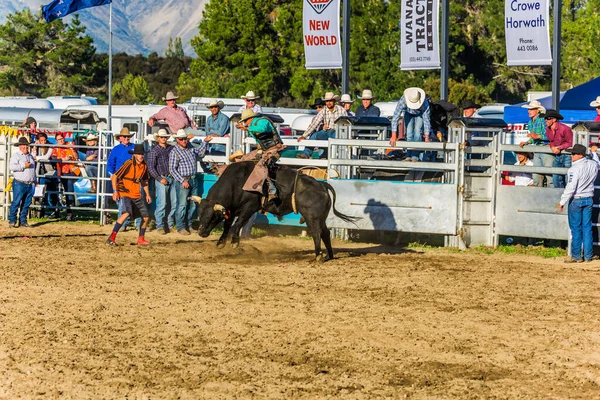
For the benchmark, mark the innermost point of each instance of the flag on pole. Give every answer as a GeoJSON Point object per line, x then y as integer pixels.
{"type": "Point", "coordinates": [61, 8]}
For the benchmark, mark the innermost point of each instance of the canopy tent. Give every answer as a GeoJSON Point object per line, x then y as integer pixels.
{"type": "Point", "coordinates": [574, 104]}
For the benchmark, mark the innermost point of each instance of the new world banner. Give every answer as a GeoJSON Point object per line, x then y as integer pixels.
{"type": "Point", "coordinates": [321, 29]}
{"type": "Point", "coordinates": [419, 34]}
{"type": "Point", "coordinates": [527, 32]}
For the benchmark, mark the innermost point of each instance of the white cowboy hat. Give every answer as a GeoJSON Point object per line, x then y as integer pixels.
{"type": "Point", "coordinates": [123, 132]}
{"type": "Point", "coordinates": [170, 96]}
{"type": "Point", "coordinates": [367, 95]}
{"type": "Point", "coordinates": [216, 103]}
{"type": "Point", "coordinates": [90, 136]}
{"type": "Point", "coordinates": [596, 103]}
{"type": "Point", "coordinates": [181, 134]}
{"type": "Point", "coordinates": [331, 96]}
{"type": "Point", "coordinates": [534, 105]}
{"type": "Point", "coordinates": [161, 133]}
{"type": "Point", "coordinates": [346, 99]}
{"type": "Point", "coordinates": [415, 97]}
{"type": "Point", "coordinates": [250, 96]}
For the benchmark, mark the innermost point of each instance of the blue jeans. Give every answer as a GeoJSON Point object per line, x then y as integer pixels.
{"type": "Point", "coordinates": [69, 186]}
{"type": "Point", "coordinates": [414, 130]}
{"type": "Point", "coordinates": [580, 223]}
{"type": "Point", "coordinates": [185, 208]}
{"type": "Point", "coordinates": [22, 196]}
{"type": "Point", "coordinates": [319, 135]}
{"type": "Point", "coordinates": [561, 161]}
{"type": "Point", "coordinates": [542, 160]}
{"type": "Point", "coordinates": [166, 197]}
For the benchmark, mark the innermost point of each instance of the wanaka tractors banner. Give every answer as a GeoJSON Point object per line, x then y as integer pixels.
{"type": "Point", "coordinates": [527, 33]}
{"type": "Point", "coordinates": [419, 34]}
{"type": "Point", "coordinates": [321, 21]}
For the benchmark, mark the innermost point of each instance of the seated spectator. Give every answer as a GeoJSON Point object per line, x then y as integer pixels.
{"type": "Point", "coordinates": [367, 109]}
{"type": "Point", "coordinates": [522, 178]}
{"type": "Point", "coordinates": [346, 102]}
{"type": "Point", "coordinates": [91, 155]}
{"type": "Point", "coordinates": [217, 125]}
{"type": "Point", "coordinates": [596, 103]}
{"type": "Point", "coordinates": [67, 171]}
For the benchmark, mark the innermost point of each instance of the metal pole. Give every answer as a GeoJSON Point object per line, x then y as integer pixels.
{"type": "Point", "coordinates": [110, 66]}
{"type": "Point", "coordinates": [556, 55]}
{"type": "Point", "coordinates": [445, 49]}
{"type": "Point", "coordinates": [346, 48]}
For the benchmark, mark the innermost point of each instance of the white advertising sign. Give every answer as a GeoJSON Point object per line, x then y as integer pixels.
{"type": "Point", "coordinates": [419, 34]}
{"type": "Point", "coordinates": [527, 32]}
{"type": "Point", "coordinates": [321, 29]}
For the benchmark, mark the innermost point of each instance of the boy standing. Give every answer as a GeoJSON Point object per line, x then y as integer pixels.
{"type": "Point", "coordinates": [126, 186]}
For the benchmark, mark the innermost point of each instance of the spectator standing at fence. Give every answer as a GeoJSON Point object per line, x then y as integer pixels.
{"type": "Point", "coordinates": [325, 118]}
{"type": "Point", "coordinates": [119, 155]}
{"type": "Point", "coordinates": [579, 194]}
{"type": "Point", "coordinates": [126, 183]}
{"type": "Point", "coordinates": [91, 156]}
{"type": "Point", "coordinates": [596, 103]}
{"type": "Point", "coordinates": [22, 165]}
{"type": "Point", "coordinates": [176, 117]}
{"type": "Point", "coordinates": [367, 109]}
{"type": "Point", "coordinates": [537, 136]}
{"type": "Point", "coordinates": [414, 108]}
{"type": "Point", "coordinates": [166, 196]}
{"type": "Point", "coordinates": [45, 172]}
{"type": "Point", "coordinates": [346, 102]}
{"type": "Point", "coordinates": [217, 125]}
{"type": "Point", "coordinates": [561, 138]}
{"type": "Point", "coordinates": [183, 167]}
{"type": "Point", "coordinates": [67, 170]}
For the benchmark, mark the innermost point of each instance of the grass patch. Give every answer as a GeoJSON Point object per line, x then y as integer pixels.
{"type": "Point", "coordinates": [540, 251]}
{"type": "Point", "coordinates": [419, 245]}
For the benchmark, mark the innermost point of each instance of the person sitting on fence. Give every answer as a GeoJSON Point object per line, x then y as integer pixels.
{"type": "Point", "coordinates": [327, 117]}
{"type": "Point", "coordinates": [46, 172]}
{"type": "Point", "coordinates": [346, 102]}
{"type": "Point", "coordinates": [250, 99]}
{"type": "Point", "coordinates": [126, 190]}
{"type": "Point", "coordinates": [414, 108]}
{"type": "Point", "coordinates": [596, 103]}
{"type": "Point", "coordinates": [537, 136]}
{"type": "Point", "coordinates": [67, 171]}
{"type": "Point", "coordinates": [367, 109]}
{"type": "Point", "coordinates": [561, 138]}
{"type": "Point", "coordinates": [522, 178]}
{"type": "Point", "coordinates": [176, 117]}
{"type": "Point", "coordinates": [22, 165]}
{"type": "Point", "coordinates": [217, 125]}
{"type": "Point", "coordinates": [91, 155]}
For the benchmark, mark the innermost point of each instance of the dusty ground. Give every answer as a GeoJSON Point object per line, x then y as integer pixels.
{"type": "Point", "coordinates": [180, 319]}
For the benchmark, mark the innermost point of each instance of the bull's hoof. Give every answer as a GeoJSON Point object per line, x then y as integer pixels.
{"type": "Point", "coordinates": [220, 245]}
{"type": "Point", "coordinates": [235, 245]}
{"type": "Point", "coordinates": [320, 258]}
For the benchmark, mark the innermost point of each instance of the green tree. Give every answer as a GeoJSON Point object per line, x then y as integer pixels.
{"type": "Point", "coordinates": [132, 90]}
{"type": "Point", "coordinates": [175, 48]}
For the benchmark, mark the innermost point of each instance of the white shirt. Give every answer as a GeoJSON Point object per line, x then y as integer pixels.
{"type": "Point", "coordinates": [522, 178]}
{"type": "Point", "coordinates": [582, 175]}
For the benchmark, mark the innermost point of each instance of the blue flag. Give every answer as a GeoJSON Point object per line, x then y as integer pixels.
{"type": "Point", "coordinates": [61, 8]}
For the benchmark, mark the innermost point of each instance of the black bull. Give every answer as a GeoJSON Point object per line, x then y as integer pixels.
{"type": "Point", "coordinates": [226, 200]}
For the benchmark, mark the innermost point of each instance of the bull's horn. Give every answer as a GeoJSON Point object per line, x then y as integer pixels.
{"type": "Point", "coordinates": [196, 199]}
{"type": "Point", "coordinates": [219, 207]}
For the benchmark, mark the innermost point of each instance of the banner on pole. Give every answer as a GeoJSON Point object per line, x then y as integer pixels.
{"type": "Point", "coordinates": [527, 32]}
{"type": "Point", "coordinates": [419, 34]}
{"type": "Point", "coordinates": [321, 29]}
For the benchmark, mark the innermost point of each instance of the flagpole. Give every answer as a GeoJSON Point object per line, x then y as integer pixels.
{"type": "Point", "coordinates": [110, 66]}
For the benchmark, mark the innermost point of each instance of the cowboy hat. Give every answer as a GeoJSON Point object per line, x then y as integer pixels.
{"type": "Point", "coordinates": [596, 103]}
{"type": "Point", "coordinates": [161, 133]}
{"type": "Point", "coordinates": [577, 149]}
{"type": "Point", "coordinates": [469, 104]}
{"type": "Point", "coordinates": [29, 120]}
{"type": "Point", "coordinates": [346, 99]}
{"type": "Point", "coordinates": [331, 96]}
{"type": "Point", "coordinates": [415, 97]}
{"type": "Point", "coordinates": [247, 114]}
{"type": "Point", "coordinates": [235, 155]}
{"type": "Point", "coordinates": [124, 132]}
{"type": "Point", "coordinates": [550, 113]}
{"type": "Point", "coordinates": [319, 102]}
{"type": "Point", "coordinates": [534, 105]}
{"type": "Point", "coordinates": [90, 136]}
{"type": "Point", "coordinates": [216, 103]}
{"type": "Point", "coordinates": [181, 134]}
{"type": "Point", "coordinates": [366, 95]}
{"type": "Point", "coordinates": [137, 149]}
{"type": "Point", "coordinates": [170, 96]}
{"type": "Point", "coordinates": [250, 96]}
{"type": "Point", "coordinates": [22, 140]}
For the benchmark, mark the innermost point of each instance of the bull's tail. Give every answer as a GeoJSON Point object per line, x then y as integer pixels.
{"type": "Point", "coordinates": [338, 214]}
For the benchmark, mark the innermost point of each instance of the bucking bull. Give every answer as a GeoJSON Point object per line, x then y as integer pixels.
{"type": "Point", "coordinates": [227, 201]}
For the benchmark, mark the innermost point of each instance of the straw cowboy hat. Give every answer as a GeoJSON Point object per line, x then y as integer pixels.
{"type": "Point", "coordinates": [366, 95]}
{"type": "Point", "coordinates": [137, 149]}
{"type": "Point", "coordinates": [415, 97]}
{"type": "Point", "coordinates": [22, 140]}
{"type": "Point", "coordinates": [124, 132]}
{"type": "Point", "coordinates": [250, 96]}
{"type": "Point", "coordinates": [247, 114]}
{"type": "Point", "coordinates": [346, 99]}
{"type": "Point", "coordinates": [216, 103]}
{"type": "Point", "coordinates": [596, 103]}
{"type": "Point", "coordinates": [90, 136]}
{"type": "Point", "coordinates": [331, 96]}
{"type": "Point", "coordinates": [170, 96]}
{"type": "Point", "coordinates": [161, 133]}
{"type": "Point", "coordinates": [233, 156]}
{"type": "Point", "coordinates": [181, 134]}
{"type": "Point", "coordinates": [534, 105]}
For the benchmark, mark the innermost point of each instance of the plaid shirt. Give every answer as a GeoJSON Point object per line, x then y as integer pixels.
{"type": "Point", "coordinates": [176, 118]}
{"type": "Point", "coordinates": [423, 111]}
{"type": "Point", "coordinates": [182, 161]}
{"type": "Point", "coordinates": [538, 126]}
{"type": "Point", "coordinates": [158, 161]}
{"type": "Point", "coordinates": [325, 117]}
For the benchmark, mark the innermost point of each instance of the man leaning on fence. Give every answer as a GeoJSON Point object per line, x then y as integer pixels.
{"type": "Point", "coordinates": [579, 193]}
{"type": "Point", "coordinates": [561, 138]}
{"type": "Point", "coordinates": [537, 136]}
{"type": "Point", "coordinates": [22, 165]}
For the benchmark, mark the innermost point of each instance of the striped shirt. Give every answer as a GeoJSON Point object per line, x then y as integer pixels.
{"type": "Point", "coordinates": [423, 111]}
{"type": "Point", "coordinates": [176, 118]}
{"type": "Point", "coordinates": [582, 175]}
{"type": "Point", "coordinates": [182, 161]}
{"type": "Point", "coordinates": [158, 161]}
{"type": "Point", "coordinates": [325, 117]}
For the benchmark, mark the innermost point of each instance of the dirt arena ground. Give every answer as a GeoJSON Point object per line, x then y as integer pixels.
{"type": "Point", "coordinates": [181, 319]}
